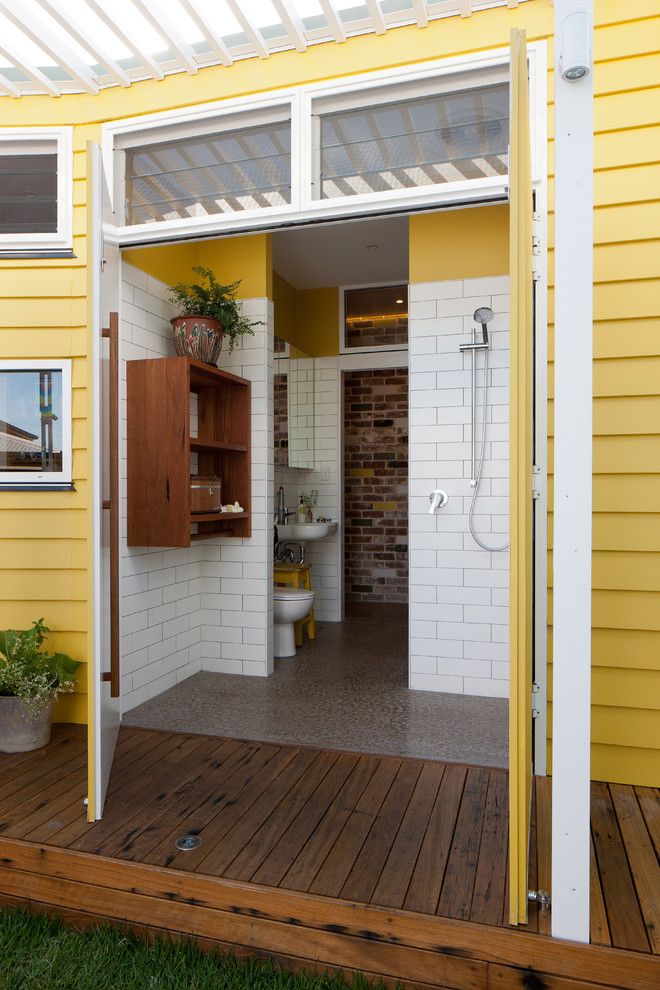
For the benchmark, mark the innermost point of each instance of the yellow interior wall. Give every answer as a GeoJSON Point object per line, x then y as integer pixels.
{"type": "Point", "coordinates": [450, 244]}
{"type": "Point", "coordinates": [318, 321]}
{"type": "Point", "coordinates": [43, 313]}
{"type": "Point", "coordinates": [308, 318]}
{"type": "Point", "coordinates": [247, 259]}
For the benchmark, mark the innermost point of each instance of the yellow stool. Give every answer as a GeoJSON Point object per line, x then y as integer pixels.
{"type": "Point", "coordinates": [297, 576]}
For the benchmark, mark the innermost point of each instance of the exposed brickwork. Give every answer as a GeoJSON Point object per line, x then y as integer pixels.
{"type": "Point", "coordinates": [376, 485]}
{"type": "Point", "coordinates": [281, 421]}
{"type": "Point", "coordinates": [377, 332]}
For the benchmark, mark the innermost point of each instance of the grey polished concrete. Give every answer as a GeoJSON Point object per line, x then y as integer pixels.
{"type": "Point", "coordinates": [346, 690]}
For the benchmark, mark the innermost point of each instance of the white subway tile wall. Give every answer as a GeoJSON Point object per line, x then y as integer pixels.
{"type": "Point", "coordinates": [160, 612]}
{"type": "Point", "coordinates": [326, 556]}
{"type": "Point", "coordinates": [237, 574]}
{"type": "Point", "coordinates": [458, 592]}
{"type": "Point", "coordinates": [208, 607]}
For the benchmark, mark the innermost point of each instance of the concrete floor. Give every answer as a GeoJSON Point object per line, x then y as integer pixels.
{"type": "Point", "coordinates": [346, 690]}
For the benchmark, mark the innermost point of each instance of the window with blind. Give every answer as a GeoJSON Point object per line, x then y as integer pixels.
{"type": "Point", "coordinates": [36, 189]}
{"type": "Point", "coordinates": [28, 192]}
{"type": "Point", "coordinates": [205, 174]}
{"type": "Point", "coordinates": [446, 137]}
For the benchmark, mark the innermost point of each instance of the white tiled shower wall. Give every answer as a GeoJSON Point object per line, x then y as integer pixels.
{"type": "Point", "coordinates": [458, 592]}
{"type": "Point", "coordinates": [326, 556]}
{"type": "Point", "coordinates": [206, 607]}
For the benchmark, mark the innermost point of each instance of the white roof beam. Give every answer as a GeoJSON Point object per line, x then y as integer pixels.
{"type": "Point", "coordinates": [159, 20]}
{"type": "Point", "coordinates": [30, 70]}
{"type": "Point", "coordinates": [84, 39]}
{"type": "Point", "coordinates": [211, 36]}
{"type": "Point", "coordinates": [145, 58]}
{"type": "Point", "coordinates": [421, 13]}
{"type": "Point", "coordinates": [376, 15]}
{"type": "Point", "coordinates": [292, 22]}
{"type": "Point", "coordinates": [39, 32]}
{"type": "Point", "coordinates": [333, 19]}
{"type": "Point", "coordinates": [7, 86]}
{"type": "Point", "coordinates": [253, 33]}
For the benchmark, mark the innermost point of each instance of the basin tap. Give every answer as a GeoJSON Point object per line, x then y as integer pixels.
{"type": "Point", "coordinates": [281, 511]}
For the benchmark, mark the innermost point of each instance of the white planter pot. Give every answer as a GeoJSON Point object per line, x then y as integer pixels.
{"type": "Point", "coordinates": [20, 730]}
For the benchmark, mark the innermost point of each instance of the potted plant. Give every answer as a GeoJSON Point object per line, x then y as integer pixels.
{"type": "Point", "coordinates": [208, 313]}
{"type": "Point", "coordinates": [30, 681]}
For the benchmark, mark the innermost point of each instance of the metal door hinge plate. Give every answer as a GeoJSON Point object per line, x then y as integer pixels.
{"type": "Point", "coordinates": [540, 897]}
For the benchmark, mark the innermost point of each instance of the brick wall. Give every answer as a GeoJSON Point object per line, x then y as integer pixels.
{"type": "Point", "coordinates": [376, 485]}
{"type": "Point", "coordinates": [377, 332]}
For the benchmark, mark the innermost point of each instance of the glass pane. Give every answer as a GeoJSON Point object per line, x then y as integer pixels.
{"type": "Point", "coordinates": [443, 138]}
{"type": "Point", "coordinates": [28, 194]}
{"type": "Point", "coordinates": [30, 421]}
{"type": "Point", "coordinates": [376, 317]}
{"type": "Point", "coordinates": [209, 174]}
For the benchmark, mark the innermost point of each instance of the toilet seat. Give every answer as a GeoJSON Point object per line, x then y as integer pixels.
{"type": "Point", "coordinates": [286, 594]}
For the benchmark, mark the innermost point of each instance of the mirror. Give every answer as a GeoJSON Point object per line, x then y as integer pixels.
{"type": "Point", "coordinates": [293, 406]}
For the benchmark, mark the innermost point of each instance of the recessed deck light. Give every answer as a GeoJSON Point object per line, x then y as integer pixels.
{"type": "Point", "coordinates": [187, 842]}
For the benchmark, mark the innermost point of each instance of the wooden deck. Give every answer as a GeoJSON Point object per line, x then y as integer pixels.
{"type": "Point", "coordinates": [393, 866]}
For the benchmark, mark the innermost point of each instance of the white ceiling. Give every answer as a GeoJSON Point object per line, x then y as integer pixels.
{"type": "Point", "coordinates": [349, 253]}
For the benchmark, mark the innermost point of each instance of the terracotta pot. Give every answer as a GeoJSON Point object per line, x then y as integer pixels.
{"type": "Point", "coordinates": [197, 337]}
{"type": "Point", "coordinates": [20, 730]}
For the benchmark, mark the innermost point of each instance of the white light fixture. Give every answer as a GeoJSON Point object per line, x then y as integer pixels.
{"type": "Point", "coordinates": [575, 50]}
{"type": "Point", "coordinates": [399, 302]}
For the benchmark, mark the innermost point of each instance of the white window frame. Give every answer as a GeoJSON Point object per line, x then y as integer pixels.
{"type": "Point", "coordinates": [373, 348]}
{"type": "Point", "coordinates": [300, 100]}
{"type": "Point", "coordinates": [46, 479]}
{"type": "Point", "coordinates": [25, 138]}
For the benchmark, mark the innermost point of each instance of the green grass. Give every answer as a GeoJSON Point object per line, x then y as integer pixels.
{"type": "Point", "coordinates": [42, 953]}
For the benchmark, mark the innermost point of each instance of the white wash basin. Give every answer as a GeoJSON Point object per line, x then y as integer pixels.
{"type": "Point", "coordinates": [305, 532]}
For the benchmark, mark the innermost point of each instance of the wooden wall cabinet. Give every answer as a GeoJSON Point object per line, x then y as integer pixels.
{"type": "Point", "coordinates": [159, 448]}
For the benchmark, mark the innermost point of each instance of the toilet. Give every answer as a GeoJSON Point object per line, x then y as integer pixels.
{"type": "Point", "coordinates": [290, 605]}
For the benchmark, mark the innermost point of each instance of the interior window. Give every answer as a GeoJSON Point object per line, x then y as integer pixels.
{"type": "Point", "coordinates": [447, 137]}
{"type": "Point", "coordinates": [376, 316]}
{"type": "Point", "coordinates": [34, 429]}
{"type": "Point", "coordinates": [228, 172]}
{"type": "Point", "coordinates": [28, 192]}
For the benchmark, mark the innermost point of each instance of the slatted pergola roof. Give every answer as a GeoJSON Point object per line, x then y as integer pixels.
{"type": "Point", "coordinates": [73, 46]}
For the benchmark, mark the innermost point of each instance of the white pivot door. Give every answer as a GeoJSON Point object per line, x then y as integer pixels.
{"type": "Point", "coordinates": [103, 687]}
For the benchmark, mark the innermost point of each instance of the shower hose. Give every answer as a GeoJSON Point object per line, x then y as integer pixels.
{"type": "Point", "coordinates": [477, 480]}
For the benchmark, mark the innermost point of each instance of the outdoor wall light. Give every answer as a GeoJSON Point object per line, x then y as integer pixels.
{"type": "Point", "coordinates": [575, 51]}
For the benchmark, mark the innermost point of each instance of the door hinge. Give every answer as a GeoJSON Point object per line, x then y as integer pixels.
{"type": "Point", "coordinates": [536, 473]}
{"type": "Point", "coordinates": [540, 897]}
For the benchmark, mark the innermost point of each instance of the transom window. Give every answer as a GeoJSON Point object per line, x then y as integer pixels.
{"type": "Point", "coordinates": [375, 317]}
{"type": "Point", "coordinates": [36, 189]}
{"type": "Point", "coordinates": [244, 169]}
{"type": "Point", "coordinates": [35, 423]}
{"type": "Point", "coordinates": [448, 137]}
{"type": "Point", "coordinates": [435, 134]}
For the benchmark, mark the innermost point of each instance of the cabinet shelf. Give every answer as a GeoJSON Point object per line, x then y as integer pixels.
{"type": "Point", "coordinates": [159, 448]}
{"type": "Point", "coordinates": [197, 443]}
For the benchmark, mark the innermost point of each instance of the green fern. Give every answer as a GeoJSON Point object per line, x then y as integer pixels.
{"type": "Point", "coordinates": [214, 301]}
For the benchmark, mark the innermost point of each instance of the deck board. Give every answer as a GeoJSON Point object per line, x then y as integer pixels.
{"type": "Point", "coordinates": [410, 838]}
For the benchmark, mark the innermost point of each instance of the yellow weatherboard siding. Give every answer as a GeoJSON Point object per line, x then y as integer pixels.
{"type": "Point", "coordinates": [40, 531]}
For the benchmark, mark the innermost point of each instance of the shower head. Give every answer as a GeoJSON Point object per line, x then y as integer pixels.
{"type": "Point", "coordinates": [483, 315]}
